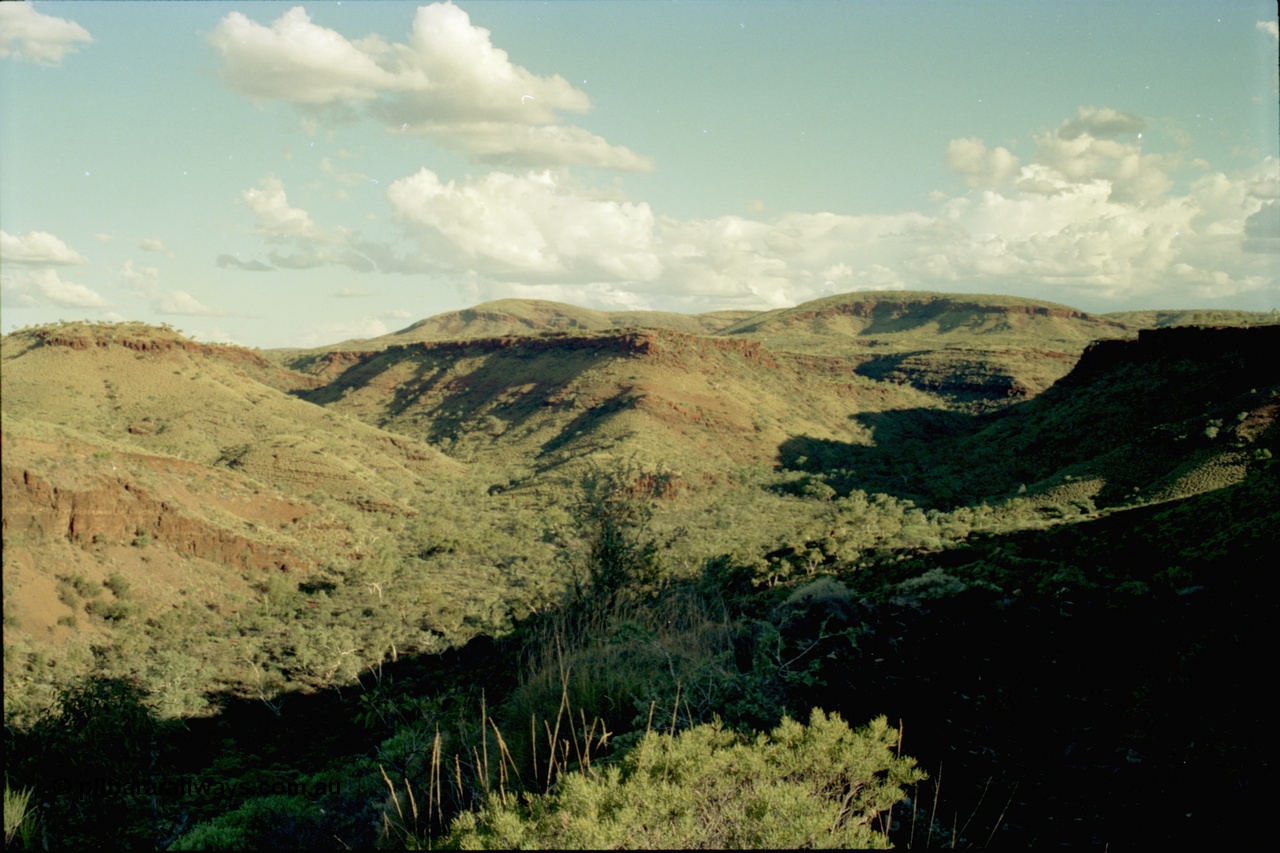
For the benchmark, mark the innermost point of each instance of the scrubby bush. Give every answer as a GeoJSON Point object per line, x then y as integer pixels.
{"type": "Point", "coordinates": [815, 785]}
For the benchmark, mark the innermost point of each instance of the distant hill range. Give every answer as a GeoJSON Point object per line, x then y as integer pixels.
{"type": "Point", "coordinates": [196, 470]}
{"type": "Point", "coordinates": [977, 351]}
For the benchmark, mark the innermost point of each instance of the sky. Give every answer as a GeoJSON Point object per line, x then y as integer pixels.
{"type": "Point", "coordinates": [281, 175]}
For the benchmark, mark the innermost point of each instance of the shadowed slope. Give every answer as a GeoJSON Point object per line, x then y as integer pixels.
{"type": "Point", "coordinates": [1177, 412]}
{"type": "Point", "coordinates": [693, 402]}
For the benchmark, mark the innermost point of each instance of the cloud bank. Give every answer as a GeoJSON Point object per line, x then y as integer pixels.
{"type": "Point", "coordinates": [1091, 218]}
{"type": "Point", "coordinates": [1087, 211]}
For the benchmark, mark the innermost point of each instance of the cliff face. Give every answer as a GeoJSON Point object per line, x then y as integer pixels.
{"type": "Point", "coordinates": [116, 510]}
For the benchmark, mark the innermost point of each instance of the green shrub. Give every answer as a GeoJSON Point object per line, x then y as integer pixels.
{"type": "Point", "coordinates": [820, 785]}
{"type": "Point", "coordinates": [118, 584]}
{"type": "Point", "coordinates": [110, 611]}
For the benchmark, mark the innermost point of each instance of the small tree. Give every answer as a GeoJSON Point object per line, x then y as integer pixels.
{"type": "Point", "coordinates": [613, 516]}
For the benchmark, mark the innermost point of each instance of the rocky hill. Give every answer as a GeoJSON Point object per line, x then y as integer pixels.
{"type": "Point", "coordinates": [505, 317]}
{"type": "Point", "coordinates": [533, 403]}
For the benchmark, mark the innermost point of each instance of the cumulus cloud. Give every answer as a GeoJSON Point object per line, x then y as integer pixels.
{"type": "Point", "coordinates": [300, 242]}
{"type": "Point", "coordinates": [456, 73]}
{"type": "Point", "coordinates": [529, 224]}
{"type": "Point", "coordinates": [1271, 28]}
{"type": "Point", "coordinates": [979, 166]}
{"type": "Point", "coordinates": [538, 235]}
{"type": "Point", "coordinates": [28, 35]}
{"type": "Point", "coordinates": [1095, 218]}
{"type": "Point", "coordinates": [38, 248]}
{"type": "Point", "coordinates": [296, 60]}
{"type": "Point", "coordinates": [32, 288]}
{"type": "Point", "coordinates": [448, 81]}
{"type": "Point", "coordinates": [277, 221]}
{"type": "Point", "coordinates": [1086, 148]}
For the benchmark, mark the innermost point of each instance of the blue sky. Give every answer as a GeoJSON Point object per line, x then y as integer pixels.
{"type": "Point", "coordinates": [276, 174]}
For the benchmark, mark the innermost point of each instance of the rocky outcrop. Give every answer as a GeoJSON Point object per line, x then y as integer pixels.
{"type": "Point", "coordinates": [115, 510]}
{"type": "Point", "coordinates": [154, 340]}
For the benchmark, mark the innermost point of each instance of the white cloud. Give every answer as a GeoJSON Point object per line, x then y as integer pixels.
{"type": "Point", "coordinates": [530, 225]}
{"type": "Point", "coordinates": [1271, 28]}
{"type": "Point", "coordinates": [32, 288]}
{"type": "Point", "coordinates": [980, 167]}
{"type": "Point", "coordinates": [448, 81]}
{"type": "Point", "coordinates": [296, 60]}
{"type": "Point", "coordinates": [1090, 218]}
{"type": "Point", "coordinates": [26, 34]}
{"type": "Point", "coordinates": [309, 245]}
{"type": "Point", "coordinates": [1085, 149]}
{"type": "Point", "coordinates": [38, 248]}
{"type": "Point", "coordinates": [458, 75]}
{"type": "Point", "coordinates": [277, 221]}
{"type": "Point", "coordinates": [1098, 221]}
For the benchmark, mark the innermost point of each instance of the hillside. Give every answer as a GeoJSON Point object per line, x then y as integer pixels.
{"type": "Point", "coordinates": [132, 452]}
{"type": "Point", "coordinates": [1176, 412]}
{"type": "Point", "coordinates": [331, 564]}
{"type": "Point", "coordinates": [530, 404]}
